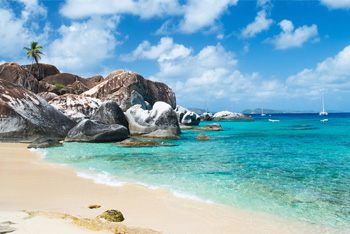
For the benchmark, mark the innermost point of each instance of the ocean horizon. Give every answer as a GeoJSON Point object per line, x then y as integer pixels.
{"type": "Point", "coordinates": [296, 168]}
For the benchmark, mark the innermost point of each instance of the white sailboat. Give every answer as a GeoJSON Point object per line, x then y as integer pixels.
{"type": "Point", "coordinates": [323, 112]}
{"type": "Point", "coordinates": [262, 110]}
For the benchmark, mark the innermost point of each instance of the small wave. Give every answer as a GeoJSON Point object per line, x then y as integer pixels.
{"type": "Point", "coordinates": [101, 178]}
{"type": "Point", "coordinates": [41, 152]}
{"type": "Point", "coordinates": [191, 197]}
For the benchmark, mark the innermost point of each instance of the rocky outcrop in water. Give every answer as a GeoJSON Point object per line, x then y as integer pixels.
{"type": "Point", "coordinates": [110, 113]}
{"type": "Point", "coordinates": [132, 142]}
{"type": "Point", "coordinates": [210, 127]}
{"type": "Point", "coordinates": [129, 88]}
{"type": "Point", "coordinates": [202, 137]}
{"type": "Point", "coordinates": [95, 131]}
{"type": "Point", "coordinates": [164, 134]}
{"type": "Point", "coordinates": [230, 115]}
{"type": "Point", "coordinates": [206, 116]}
{"type": "Point", "coordinates": [76, 107]}
{"type": "Point", "coordinates": [15, 74]}
{"type": "Point", "coordinates": [186, 116]}
{"type": "Point", "coordinates": [26, 116]}
{"type": "Point", "coordinates": [45, 142]}
{"type": "Point", "coordinates": [162, 116]}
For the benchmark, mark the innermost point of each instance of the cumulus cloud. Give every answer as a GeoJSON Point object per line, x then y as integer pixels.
{"type": "Point", "coordinates": [291, 37]}
{"type": "Point", "coordinates": [332, 74]}
{"type": "Point", "coordinates": [336, 4]}
{"type": "Point", "coordinates": [197, 14]}
{"type": "Point", "coordinates": [166, 49]}
{"type": "Point", "coordinates": [82, 46]}
{"type": "Point", "coordinates": [14, 31]}
{"type": "Point", "coordinates": [261, 23]}
{"type": "Point", "coordinates": [203, 13]}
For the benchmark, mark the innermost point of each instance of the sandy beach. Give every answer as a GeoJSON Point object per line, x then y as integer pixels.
{"type": "Point", "coordinates": [28, 183]}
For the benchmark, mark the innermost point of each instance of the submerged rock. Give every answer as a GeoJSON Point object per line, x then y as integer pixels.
{"type": "Point", "coordinates": [162, 116]}
{"type": "Point", "coordinates": [112, 216]}
{"type": "Point", "coordinates": [202, 136]}
{"type": "Point", "coordinates": [95, 131]}
{"type": "Point", "coordinates": [110, 113]}
{"type": "Point", "coordinates": [132, 142]}
{"type": "Point", "coordinates": [210, 127]}
{"type": "Point", "coordinates": [129, 88]}
{"type": "Point", "coordinates": [185, 127]}
{"type": "Point", "coordinates": [26, 116]}
{"type": "Point", "coordinates": [186, 116]}
{"type": "Point", "coordinates": [45, 142]}
{"type": "Point", "coordinates": [164, 134]}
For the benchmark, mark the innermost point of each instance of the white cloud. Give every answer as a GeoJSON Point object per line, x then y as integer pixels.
{"type": "Point", "coordinates": [290, 37]}
{"type": "Point", "coordinates": [166, 49]}
{"type": "Point", "coordinates": [336, 4]}
{"type": "Point", "coordinates": [82, 46]}
{"type": "Point", "coordinates": [197, 14]}
{"type": "Point", "coordinates": [203, 13]}
{"type": "Point", "coordinates": [263, 3]}
{"type": "Point", "coordinates": [14, 31]}
{"type": "Point", "coordinates": [261, 23]}
{"type": "Point", "coordinates": [332, 74]}
{"type": "Point", "coordinates": [145, 9]}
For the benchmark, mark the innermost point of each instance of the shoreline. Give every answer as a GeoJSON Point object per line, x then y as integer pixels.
{"type": "Point", "coordinates": [29, 183]}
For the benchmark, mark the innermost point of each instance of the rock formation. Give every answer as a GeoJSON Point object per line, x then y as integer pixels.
{"type": "Point", "coordinates": [210, 127]}
{"type": "Point", "coordinates": [41, 71]}
{"type": "Point", "coordinates": [15, 74]}
{"type": "Point", "coordinates": [67, 83]}
{"type": "Point", "coordinates": [164, 134]}
{"type": "Point", "coordinates": [162, 116]}
{"type": "Point", "coordinates": [26, 116]}
{"type": "Point", "coordinates": [129, 88]}
{"type": "Point", "coordinates": [132, 142]}
{"type": "Point", "coordinates": [202, 136]}
{"type": "Point", "coordinates": [48, 96]}
{"type": "Point", "coordinates": [186, 116]}
{"type": "Point", "coordinates": [230, 115]}
{"type": "Point", "coordinates": [206, 116]}
{"type": "Point", "coordinates": [110, 113]}
{"type": "Point", "coordinates": [76, 107]}
{"type": "Point", "coordinates": [45, 142]}
{"type": "Point", "coordinates": [95, 131]}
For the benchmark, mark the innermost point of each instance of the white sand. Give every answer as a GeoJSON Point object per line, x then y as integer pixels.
{"type": "Point", "coordinates": [27, 183]}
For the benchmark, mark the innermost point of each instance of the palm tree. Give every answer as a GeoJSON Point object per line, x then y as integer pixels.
{"type": "Point", "coordinates": [34, 52]}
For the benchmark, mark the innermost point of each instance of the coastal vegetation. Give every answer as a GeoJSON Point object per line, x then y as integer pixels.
{"type": "Point", "coordinates": [34, 52]}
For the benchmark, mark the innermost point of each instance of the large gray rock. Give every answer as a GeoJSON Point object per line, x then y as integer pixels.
{"type": "Point", "coordinates": [45, 142]}
{"type": "Point", "coordinates": [186, 116]}
{"type": "Point", "coordinates": [162, 116]}
{"type": "Point", "coordinates": [48, 96]}
{"type": "Point", "coordinates": [26, 116]}
{"type": "Point", "coordinates": [210, 127]}
{"type": "Point", "coordinates": [206, 116]}
{"type": "Point", "coordinates": [129, 88]}
{"type": "Point", "coordinates": [164, 134]}
{"type": "Point", "coordinates": [230, 115]}
{"type": "Point", "coordinates": [95, 131]}
{"type": "Point", "coordinates": [110, 113]}
{"type": "Point", "coordinates": [76, 107]}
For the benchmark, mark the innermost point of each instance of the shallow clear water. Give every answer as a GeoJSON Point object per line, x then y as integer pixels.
{"type": "Point", "coordinates": [297, 168]}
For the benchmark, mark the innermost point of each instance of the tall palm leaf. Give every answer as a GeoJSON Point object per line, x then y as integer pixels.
{"type": "Point", "coordinates": [34, 52]}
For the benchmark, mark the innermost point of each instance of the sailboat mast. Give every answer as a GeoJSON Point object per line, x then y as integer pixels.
{"type": "Point", "coordinates": [323, 103]}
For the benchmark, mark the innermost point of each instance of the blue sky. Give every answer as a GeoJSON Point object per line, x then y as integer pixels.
{"type": "Point", "coordinates": [213, 53]}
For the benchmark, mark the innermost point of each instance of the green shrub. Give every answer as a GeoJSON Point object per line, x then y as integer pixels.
{"type": "Point", "coordinates": [60, 86]}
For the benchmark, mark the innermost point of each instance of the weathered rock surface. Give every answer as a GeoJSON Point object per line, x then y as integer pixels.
{"type": "Point", "coordinates": [48, 96]}
{"type": "Point", "coordinates": [95, 79]}
{"type": "Point", "coordinates": [67, 83]}
{"type": "Point", "coordinates": [26, 116]}
{"type": "Point", "coordinates": [186, 116]}
{"type": "Point", "coordinates": [230, 115]}
{"type": "Point", "coordinates": [129, 88]}
{"type": "Point", "coordinates": [76, 107]}
{"type": "Point", "coordinates": [95, 131]}
{"type": "Point", "coordinates": [185, 127]}
{"type": "Point", "coordinates": [45, 142]}
{"type": "Point", "coordinates": [15, 74]}
{"type": "Point", "coordinates": [206, 116]}
{"type": "Point", "coordinates": [110, 113]}
{"type": "Point", "coordinates": [162, 116]}
{"type": "Point", "coordinates": [210, 127]}
{"type": "Point", "coordinates": [112, 216]}
{"type": "Point", "coordinates": [202, 136]}
{"type": "Point", "coordinates": [164, 134]}
{"type": "Point", "coordinates": [41, 71]}
{"type": "Point", "coordinates": [132, 142]}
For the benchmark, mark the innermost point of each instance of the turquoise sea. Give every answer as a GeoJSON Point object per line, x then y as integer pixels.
{"type": "Point", "coordinates": [298, 168]}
